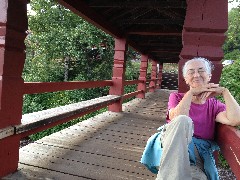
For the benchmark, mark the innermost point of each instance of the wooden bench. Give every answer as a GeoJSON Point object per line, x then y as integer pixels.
{"type": "Point", "coordinates": [38, 121]}
{"type": "Point", "coordinates": [228, 138]}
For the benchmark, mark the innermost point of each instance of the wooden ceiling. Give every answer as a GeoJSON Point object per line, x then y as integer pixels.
{"type": "Point", "coordinates": [152, 27]}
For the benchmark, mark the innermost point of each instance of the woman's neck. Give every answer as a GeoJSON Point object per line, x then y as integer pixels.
{"type": "Point", "coordinates": [198, 100]}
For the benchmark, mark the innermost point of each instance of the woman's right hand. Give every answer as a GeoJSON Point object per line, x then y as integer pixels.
{"type": "Point", "coordinates": [205, 91]}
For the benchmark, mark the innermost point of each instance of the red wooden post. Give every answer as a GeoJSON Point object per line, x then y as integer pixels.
{"type": "Point", "coordinates": [159, 76]}
{"type": "Point", "coordinates": [152, 84]}
{"type": "Point", "coordinates": [203, 34]}
{"type": "Point", "coordinates": [228, 138]}
{"type": "Point", "coordinates": [143, 76]}
{"type": "Point", "coordinates": [13, 26]}
{"type": "Point", "coordinates": [182, 87]}
{"type": "Point", "coordinates": [118, 77]}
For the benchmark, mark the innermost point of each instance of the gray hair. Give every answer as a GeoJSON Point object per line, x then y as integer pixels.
{"type": "Point", "coordinates": [208, 65]}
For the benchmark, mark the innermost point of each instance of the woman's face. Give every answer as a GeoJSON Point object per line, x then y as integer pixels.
{"type": "Point", "coordinates": [197, 74]}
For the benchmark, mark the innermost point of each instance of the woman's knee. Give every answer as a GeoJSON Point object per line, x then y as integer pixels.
{"type": "Point", "coordinates": [183, 120]}
{"type": "Point", "coordinates": [183, 125]}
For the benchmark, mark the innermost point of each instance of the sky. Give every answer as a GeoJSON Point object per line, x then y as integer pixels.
{"type": "Point", "coordinates": [230, 6]}
{"type": "Point", "coordinates": [233, 4]}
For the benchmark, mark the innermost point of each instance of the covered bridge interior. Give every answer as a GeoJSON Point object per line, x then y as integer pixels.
{"type": "Point", "coordinates": [163, 31]}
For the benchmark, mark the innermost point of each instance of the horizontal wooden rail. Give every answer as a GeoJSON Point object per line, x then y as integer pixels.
{"type": "Point", "coordinates": [131, 82]}
{"type": "Point", "coordinates": [148, 80]}
{"type": "Point", "coordinates": [6, 132]}
{"type": "Point", "coordinates": [228, 138]}
{"type": "Point", "coordinates": [42, 120]}
{"type": "Point", "coordinates": [132, 94]}
{"type": "Point", "coordinates": [42, 87]}
{"type": "Point", "coordinates": [56, 115]}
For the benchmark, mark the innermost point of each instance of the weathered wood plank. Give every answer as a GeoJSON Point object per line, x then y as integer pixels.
{"type": "Point", "coordinates": [110, 165]}
{"type": "Point", "coordinates": [228, 139]}
{"type": "Point", "coordinates": [107, 146]}
{"type": "Point", "coordinates": [49, 116]}
{"type": "Point", "coordinates": [6, 132]}
{"type": "Point", "coordinates": [27, 172]}
{"type": "Point", "coordinates": [34, 88]}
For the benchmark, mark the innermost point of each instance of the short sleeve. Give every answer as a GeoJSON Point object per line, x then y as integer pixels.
{"type": "Point", "coordinates": [220, 107]}
{"type": "Point", "coordinates": [173, 101]}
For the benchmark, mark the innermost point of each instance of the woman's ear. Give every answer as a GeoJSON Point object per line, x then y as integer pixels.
{"type": "Point", "coordinates": [209, 77]}
{"type": "Point", "coordinates": [186, 81]}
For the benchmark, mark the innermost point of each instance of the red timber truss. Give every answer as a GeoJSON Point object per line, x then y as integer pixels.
{"type": "Point", "coordinates": [161, 31]}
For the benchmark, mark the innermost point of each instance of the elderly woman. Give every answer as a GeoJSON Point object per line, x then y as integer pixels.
{"type": "Point", "coordinates": [186, 141]}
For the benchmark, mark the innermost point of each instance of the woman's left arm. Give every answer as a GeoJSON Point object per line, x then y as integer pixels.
{"type": "Point", "coordinates": [232, 114]}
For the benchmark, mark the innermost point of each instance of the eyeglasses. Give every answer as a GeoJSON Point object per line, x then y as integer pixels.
{"type": "Point", "coordinates": [200, 71]}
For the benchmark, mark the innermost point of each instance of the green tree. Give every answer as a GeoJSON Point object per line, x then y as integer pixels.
{"type": "Point", "coordinates": [56, 34]}
{"type": "Point", "coordinates": [61, 46]}
{"type": "Point", "coordinates": [230, 74]}
{"type": "Point", "coordinates": [230, 79]}
{"type": "Point", "coordinates": [232, 44]}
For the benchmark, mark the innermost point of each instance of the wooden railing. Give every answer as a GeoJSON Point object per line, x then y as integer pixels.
{"type": "Point", "coordinates": [227, 137]}
{"type": "Point", "coordinates": [38, 121]}
{"type": "Point", "coordinates": [39, 87]}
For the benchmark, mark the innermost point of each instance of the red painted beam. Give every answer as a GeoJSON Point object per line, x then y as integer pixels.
{"type": "Point", "coordinates": [133, 4]}
{"type": "Point", "coordinates": [13, 27]}
{"type": "Point", "coordinates": [149, 80]}
{"type": "Point", "coordinates": [61, 121]}
{"type": "Point", "coordinates": [151, 33]}
{"type": "Point", "coordinates": [143, 76]}
{"type": "Point", "coordinates": [132, 94]}
{"type": "Point", "coordinates": [83, 10]}
{"type": "Point", "coordinates": [118, 76]}
{"type": "Point", "coordinates": [153, 76]}
{"type": "Point", "coordinates": [203, 34]}
{"type": "Point", "coordinates": [132, 82]}
{"type": "Point", "coordinates": [40, 87]}
{"type": "Point", "coordinates": [159, 79]}
{"type": "Point", "coordinates": [9, 155]}
{"type": "Point", "coordinates": [208, 16]}
{"type": "Point", "coordinates": [228, 138]}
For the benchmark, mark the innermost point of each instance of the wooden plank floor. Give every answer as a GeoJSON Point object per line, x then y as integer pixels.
{"type": "Point", "coordinates": [106, 147]}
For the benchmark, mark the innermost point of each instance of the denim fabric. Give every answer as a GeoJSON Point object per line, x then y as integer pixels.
{"type": "Point", "coordinates": [152, 154]}
{"type": "Point", "coordinates": [205, 149]}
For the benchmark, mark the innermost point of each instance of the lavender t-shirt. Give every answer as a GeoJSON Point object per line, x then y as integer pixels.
{"type": "Point", "coordinates": [203, 115]}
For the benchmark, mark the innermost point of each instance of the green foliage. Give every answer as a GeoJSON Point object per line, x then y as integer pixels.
{"type": "Point", "coordinates": [230, 74]}
{"type": "Point", "coordinates": [234, 54]}
{"type": "Point", "coordinates": [230, 79]}
{"type": "Point", "coordinates": [56, 34]}
{"type": "Point", "coordinates": [41, 69]}
{"type": "Point", "coordinates": [223, 162]}
{"type": "Point", "coordinates": [170, 67]}
{"type": "Point", "coordinates": [233, 39]}
{"type": "Point", "coordinates": [132, 70]}
{"type": "Point", "coordinates": [132, 73]}
{"type": "Point", "coordinates": [61, 46]}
